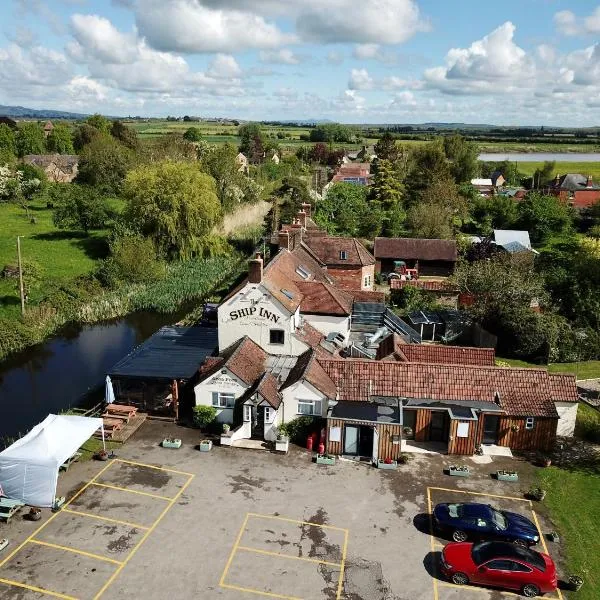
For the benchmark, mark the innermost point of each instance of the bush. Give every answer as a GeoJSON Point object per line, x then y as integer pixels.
{"type": "Point", "coordinates": [299, 428]}
{"type": "Point", "coordinates": [588, 424]}
{"type": "Point", "coordinates": [204, 415]}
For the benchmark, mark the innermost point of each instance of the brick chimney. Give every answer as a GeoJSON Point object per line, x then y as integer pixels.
{"type": "Point", "coordinates": [589, 182]}
{"type": "Point", "coordinates": [302, 218]}
{"type": "Point", "coordinates": [284, 240]}
{"type": "Point", "coordinates": [306, 207]}
{"type": "Point", "coordinates": [255, 269]}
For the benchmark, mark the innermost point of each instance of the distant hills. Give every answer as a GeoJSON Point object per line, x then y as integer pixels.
{"type": "Point", "coordinates": [20, 112]}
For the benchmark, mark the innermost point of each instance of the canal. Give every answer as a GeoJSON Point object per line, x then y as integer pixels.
{"type": "Point", "coordinates": [67, 370]}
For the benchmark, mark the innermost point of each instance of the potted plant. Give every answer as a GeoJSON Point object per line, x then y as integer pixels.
{"type": "Point", "coordinates": [507, 475]}
{"type": "Point", "coordinates": [205, 445]}
{"type": "Point", "coordinates": [282, 443]}
{"type": "Point", "coordinates": [387, 463]}
{"type": "Point", "coordinates": [515, 428]}
{"type": "Point", "coordinates": [537, 494]}
{"type": "Point", "coordinates": [575, 583]}
{"type": "Point", "coordinates": [171, 442]}
{"type": "Point", "coordinates": [407, 431]}
{"type": "Point", "coordinates": [403, 458]}
{"type": "Point", "coordinates": [553, 536]}
{"type": "Point", "coordinates": [459, 470]}
{"type": "Point", "coordinates": [226, 428]}
{"type": "Point", "coordinates": [325, 459]}
{"type": "Point", "coordinates": [34, 514]}
{"type": "Point", "coordinates": [545, 461]}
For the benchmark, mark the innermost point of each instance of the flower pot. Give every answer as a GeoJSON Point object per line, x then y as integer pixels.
{"type": "Point", "coordinates": [536, 494]}
{"type": "Point", "coordinates": [205, 446]}
{"type": "Point", "coordinates": [102, 455]}
{"type": "Point", "coordinates": [457, 471]}
{"type": "Point", "coordinates": [575, 583]}
{"type": "Point", "coordinates": [35, 514]}
{"type": "Point", "coordinates": [553, 536]}
{"type": "Point", "coordinates": [171, 443]}
{"type": "Point", "coordinates": [390, 466]}
{"type": "Point", "coordinates": [282, 444]}
{"type": "Point", "coordinates": [507, 476]}
{"type": "Point", "coordinates": [324, 459]}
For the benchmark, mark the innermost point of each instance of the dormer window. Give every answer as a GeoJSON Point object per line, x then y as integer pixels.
{"type": "Point", "coordinates": [343, 255]}
{"type": "Point", "coordinates": [302, 272]}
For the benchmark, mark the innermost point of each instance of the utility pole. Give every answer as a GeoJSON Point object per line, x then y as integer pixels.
{"type": "Point", "coordinates": [21, 276]}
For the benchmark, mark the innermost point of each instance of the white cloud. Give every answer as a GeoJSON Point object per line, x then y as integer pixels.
{"type": "Point", "coordinates": [583, 66]}
{"type": "Point", "coordinates": [284, 56]}
{"type": "Point", "coordinates": [567, 23]}
{"type": "Point", "coordinates": [360, 80]}
{"type": "Point", "coordinates": [335, 58]}
{"type": "Point", "coordinates": [395, 83]}
{"type": "Point", "coordinates": [405, 98]}
{"type": "Point", "coordinates": [224, 65]}
{"type": "Point", "coordinates": [373, 52]}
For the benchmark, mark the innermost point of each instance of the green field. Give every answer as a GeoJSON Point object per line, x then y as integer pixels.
{"type": "Point", "coordinates": [585, 168]}
{"type": "Point", "coordinates": [589, 369]}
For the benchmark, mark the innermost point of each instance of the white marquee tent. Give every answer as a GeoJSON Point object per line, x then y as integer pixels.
{"type": "Point", "coordinates": [29, 468]}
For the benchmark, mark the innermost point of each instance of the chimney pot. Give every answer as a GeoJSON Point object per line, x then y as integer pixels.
{"type": "Point", "coordinates": [284, 240]}
{"type": "Point", "coordinates": [302, 218]}
{"type": "Point", "coordinates": [306, 207]}
{"type": "Point", "coordinates": [255, 269]}
{"type": "Point", "coordinates": [589, 181]}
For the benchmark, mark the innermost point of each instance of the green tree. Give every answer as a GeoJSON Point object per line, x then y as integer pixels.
{"type": "Point", "coordinates": [99, 122]}
{"type": "Point", "coordinates": [103, 164]}
{"type": "Point", "coordinates": [174, 204]}
{"type": "Point", "coordinates": [222, 166]}
{"type": "Point", "coordinates": [60, 140]}
{"type": "Point", "coordinates": [462, 156]}
{"type": "Point", "coordinates": [83, 135]}
{"type": "Point", "coordinates": [428, 164]}
{"type": "Point", "coordinates": [542, 176]}
{"type": "Point", "coordinates": [544, 216]}
{"type": "Point", "coordinates": [331, 132]}
{"type": "Point", "coordinates": [250, 135]}
{"type": "Point", "coordinates": [193, 134]}
{"type": "Point", "coordinates": [290, 195]}
{"type": "Point", "coordinates": [496, 212]}
{"type": "Point", "coordinates": [341, 210]}
{"type": "Point", "coordinates": [30, 139]}
{"type": "Point", "coordinates": [7, 140]}
{"type": "Point", "coordinates": [126, 135]}
{"type": "Point", "coordinates": [429, 220]}
{"type": "Point", "coordinates": [388, 191]}
{"type": "Point", "coordinates": [79, 207]}
{"type": "Point", "coordinates": [386, 148]}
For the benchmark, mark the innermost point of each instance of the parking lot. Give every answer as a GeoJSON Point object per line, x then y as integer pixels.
{"type": "Point", "coordinates": [238, 524]}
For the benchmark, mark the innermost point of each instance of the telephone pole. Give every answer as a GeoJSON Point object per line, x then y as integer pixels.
{"type": "Point", "coordinates": [21, 276]}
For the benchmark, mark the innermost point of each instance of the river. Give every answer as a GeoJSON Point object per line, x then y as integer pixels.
{"type": "Point", "coordinates": [540, 156]}
{"type": "Point", "coordinates": [67, 370]}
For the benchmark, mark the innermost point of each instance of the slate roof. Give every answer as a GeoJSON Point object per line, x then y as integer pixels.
{"type": "Point", "coordinates": [323, 299]}
{"type": "Point", "coordinates": [171, 353]}
{"type": "Point", "coordinates": [328, 249]}
{"type": "Point", "coordinates": [564, 387]}
{"type": "Point", "coordinates": [573, 182]}
{"type": "Point", "coordinates": [504, 237]}
{"type": "Point", "coordinates": [521, 392]}
{"type": "Point", "coordinates": [310, 369]}
{"type": "Point", "coordinates": [66, 162]}
{"type": "Point", "coordinates": [415, 248]}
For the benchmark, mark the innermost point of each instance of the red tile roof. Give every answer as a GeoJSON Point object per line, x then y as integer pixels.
{"type": "Point", "coordinates": [309, 369]}
{"type": "Point", "coordinates": [415, 248]}
{"type": "Point", "coordinates": [323, 299]}
{"type": "Point", "coordinates": [521, 392]}
{"type": "Point", "coordinates": [268, 389]}
{"type": "Point", "coordinates": [429, 286]}
{"type": "Point", "coordinates": [328, 250]}
{"type": "Point", "coordinates": [309, 335]}
{"type": "Point", "coordinates": [455, 355]}
{"type": "Point", "coordinates": [563, 387]}
{"type": "Point", "coordinates": [245, 359]}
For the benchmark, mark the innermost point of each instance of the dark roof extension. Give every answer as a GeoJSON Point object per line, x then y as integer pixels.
{"type": "Point", "coordinates": [415, 248]}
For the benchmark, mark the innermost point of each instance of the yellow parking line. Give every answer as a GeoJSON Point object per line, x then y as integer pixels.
{"type": "Point", "coordinates": [76, 551]}
{"type": "Point", "coordinates": [481, 494]}
{"type": "Point", "coordinates": [36, 589]}
{"type": "Point", "coordinates": [139, 464]}
{"type": "Point", "coordinates": [543, 540]}
{"type": "Point", "coordinates": [268, 553]}
{"type": "Point", "coordinates": [474, 588]}
{"type": "Point", "coordinates": [341, 580]}
{"type": "Point", "coordinates": [233, 550]}
{"type": "Point", "coordinates": [144, 538]}
{"type": "Point", "coordinates": [122, 489]}
{"type": "Point", "coordinates": [296, 521]}
{"type": "Point", "coordinates": [107, 519]}
{"type": "Point", "coordinates": [269, 594]}
{"type": "Point", "coordinates": [52, 517]}
{"type": "Point", "coordinates": [431, 538]}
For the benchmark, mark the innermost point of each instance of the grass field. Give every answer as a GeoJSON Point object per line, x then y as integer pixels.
{"type": "Point", "coordinates": [589, 369]}
{"type": "Point", "coordinates": [585, 168]}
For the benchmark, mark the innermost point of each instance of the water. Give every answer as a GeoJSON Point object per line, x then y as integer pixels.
{"type": "Point", "coordinates": [540, 156]}
{"type": "Point", "coordinates": [67, 370]}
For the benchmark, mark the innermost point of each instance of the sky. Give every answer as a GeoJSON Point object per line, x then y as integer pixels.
{"type": "Point", "coordinates": [515, 62]}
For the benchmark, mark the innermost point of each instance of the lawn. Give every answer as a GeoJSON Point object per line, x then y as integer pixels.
{"type": "Point", "coordinates": [585, 168]}
{"type": "Point", "coordinates": [589, 369]}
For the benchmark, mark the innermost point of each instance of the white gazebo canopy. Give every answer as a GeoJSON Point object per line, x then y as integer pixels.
{"type": "Point", "coordinates": [29, 468]}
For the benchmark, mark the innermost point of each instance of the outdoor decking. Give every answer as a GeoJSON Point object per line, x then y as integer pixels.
{"type": "Point", "coordinates": [127, 429]}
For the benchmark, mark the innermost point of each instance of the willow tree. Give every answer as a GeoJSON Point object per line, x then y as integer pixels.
{"type": "Point", "coordinates": [174, 204]}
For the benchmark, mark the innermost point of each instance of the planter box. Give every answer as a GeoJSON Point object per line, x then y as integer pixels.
{"type": "Point", "coordinates": [387, 466]}
{"type": "Point", "coordinates": [282, 445]}
{"type": "Point", "coordinates": [553, 536]}
{"type": "Point", "coordinates": [325, 460]}
{"type": "Point", "coordinates": [206, 446]}
{"type": "Point", "coordinates": [171, 443]}
{"type": "Point", "coordinates": [455, 473]}
{"type": "Point", "coordinates": [504, 476]}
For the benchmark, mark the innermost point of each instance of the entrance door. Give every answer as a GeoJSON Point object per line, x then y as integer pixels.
{"type": "Point", "coordinates": [351, 440]}
{"type": "Point", "coordinates": [258, 427]}
{"type": "Point", "coordinates": [490, 429]}
{"type": "Point", "coordinates": [375, 446]}
{"type": "Point", "coordinates": [437, 428]}
{"type": "Point", "coordinates": [365, 441]}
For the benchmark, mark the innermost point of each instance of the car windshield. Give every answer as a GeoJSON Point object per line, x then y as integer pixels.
{"type": "Point", "coordinates": [499, 520]}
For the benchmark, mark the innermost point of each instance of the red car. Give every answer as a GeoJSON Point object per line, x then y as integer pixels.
{"type": "Point", "coordinates": [499, 564]}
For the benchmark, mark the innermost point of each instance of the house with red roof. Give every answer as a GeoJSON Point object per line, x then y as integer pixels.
{"type": "Point", "coordinates": [575, 190]}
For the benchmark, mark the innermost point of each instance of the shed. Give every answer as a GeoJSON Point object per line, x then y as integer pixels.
{"type": "Point", "coordinates": [430, 256]}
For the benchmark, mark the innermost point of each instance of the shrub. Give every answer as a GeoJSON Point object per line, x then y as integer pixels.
{"type": "Point", "coordinates": [204, 415]}
{"type": "Point", "coordinates": [299, 428]}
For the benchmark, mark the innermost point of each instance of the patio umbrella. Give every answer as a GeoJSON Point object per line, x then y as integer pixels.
{"type": "Point", "coordinates": [109, 393]}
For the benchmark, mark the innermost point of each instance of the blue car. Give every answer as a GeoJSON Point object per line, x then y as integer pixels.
{"type": "Point", "coordinates": [483, 522]}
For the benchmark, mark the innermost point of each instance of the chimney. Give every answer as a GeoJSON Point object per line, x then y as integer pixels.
{"type": "Point", "coordinates": [306, 207]}
{"type": "Point", "coordinates": [255, 269]}
{"type": "Point", "coordinates": [302, 218]}
{"type": "Point", "coordinates": [588, 183]}
{"type": "Point", "coordinates": [284, 240]}
{"type": "Point", "coordinates": [557, 180]}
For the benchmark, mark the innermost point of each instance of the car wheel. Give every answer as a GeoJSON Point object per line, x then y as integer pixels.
{"type": "Point", "coordinates": [460, 579]}
{"type": "Point", "coordinates": [459, 536]}
{"type": "Point", "coordinates": [531, 591]}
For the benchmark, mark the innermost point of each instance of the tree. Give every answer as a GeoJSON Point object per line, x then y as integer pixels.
{"type": "Point", "coordinates": [251, 135]}
{"type": "Point", "coordinates": [7, 139]}
{"type": "Point", "coordinates": [79, 207]}
{"type": "Point", "coordinates": [60, 140]}
{"type": "Point", "coordinates": [543, 176]}
{"type": "Point", "coordinates": [291, 194]}
{"type": "Point", "coordinates": [331, 132]}
{"type": "Point", "coordinates": [429, 220]}
{"type": "Point", "coordinates": [386, 148]}
{"type": "Point", "coordinates": [193, 134]}
{"type": "Point", "coordinates": [126, 135]}
{"type": "Point", "coordinates": [83, 135]}
{"type": "Point", "coordinates": [101, 123]}
{"type": "Point", "coordinates": [462, 156]}
{"type": "Point", "coordinates": [429, 164]}
{"type": "Point", "coordinates": [30, 140]}
{"type": "Point", "coordinates": [103, 164]}
{"type": "Point", "coordinates": [388, 191]}
{"type": "Point", "coordinates": [341, 210]}
{"type": "Point", "coordinates": [222, 166]}
{"type": "Point", "coordinates": [174, 204]}
{"type": "Point", "coordinates": [544, 216]}
{"type": "Point", "coordinates": [496, 212]}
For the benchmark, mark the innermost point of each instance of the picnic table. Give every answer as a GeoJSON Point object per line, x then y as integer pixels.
{"type": "Point", "coordinates": [73, 458]}
{"type": "Point", "coordinates": [121, 410]}
{"type": "Point", "coordinates": [8, 507]}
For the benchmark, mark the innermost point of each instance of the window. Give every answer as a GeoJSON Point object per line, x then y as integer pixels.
{"type": "Point", "coordinates": [302, 272]}
{"type": "Point", "coordinates": [222, 400]}
{"type": "Point", "coordinates": [343, 255]}
{"type": "Point", "coordinates": [529, 423]}
{"type": "Point", "coordinates": [520, 568]}
{"type": "Point", "coordinates": [500, 565]}
{"type": "Point", "coordinates": [309, 407]}
{"type": "Point", "coordinates": [247, 413]}
{"type": "Point", "coordinates": [268, 414]}
{"type": "Point", "coordinates": [367, 281]}
{"type": "Point", "coordinates": [276, 336]}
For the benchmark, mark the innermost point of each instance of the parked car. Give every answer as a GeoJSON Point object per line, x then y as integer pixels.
{"type": "Point", "coordinates": [472, 520]}
{"type": "Point", "coordinates": [499, 564]}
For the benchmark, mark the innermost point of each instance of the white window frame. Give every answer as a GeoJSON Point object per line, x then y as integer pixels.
{"type": "Point", "coordinates": [247, 413]}
{"type": "Point", "coordinates": [269, 414]}
{"type": "Point", "coordinates": [367, 280]}
{"type": "Point", "coordinates": [312, 403]}
{"type": "Point", "coordinates": [343, 255]}
{"type": "Point", "coordinates": [223, 399]}
{"type": "Point", "coordinates": [277, 343]}
{"type": "Point", "coordinates": [529, 423]}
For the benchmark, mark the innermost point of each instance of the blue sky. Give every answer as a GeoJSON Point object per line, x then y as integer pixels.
{"type": "Point", "coordinates": [375, 61]}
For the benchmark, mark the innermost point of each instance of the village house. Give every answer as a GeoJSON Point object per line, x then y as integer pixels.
{"type": "Point", "coordinates": [428, 256]}
{"type": "Point", "coordinates": [358, 173]}
{"type": "Point", "coordinates": [242, 163]}
{"type": "Point", "coordinates": [575, 189]}
{"type": "Point", "coordinates": [59, 168]}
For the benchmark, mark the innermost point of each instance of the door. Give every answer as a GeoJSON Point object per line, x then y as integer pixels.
{"type": "Point", "coordinates": [375, 445]}
{"type": "Point", "coordinates": [437, 427]}
{"type": "Point", "coordinates": [490, 429]}
{"type": "Point", "coordinates": [258, 426]}
{"type": "Point", "coordinates": [351, 440]}
{"type": "Point", "coordinates": [365, 441]}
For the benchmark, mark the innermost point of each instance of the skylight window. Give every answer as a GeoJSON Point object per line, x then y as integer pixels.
{"type": "Point", "coordinates": [343, 255]}
{"type": "Point", "coordinates": [287, 294]}
{"type": "Point", "coordinates": [302, 272]}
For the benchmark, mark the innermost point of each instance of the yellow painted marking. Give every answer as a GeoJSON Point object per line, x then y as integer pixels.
{"type": "Point", "coordinates": [341, 580]}
{"type": "Point", "coordinates": [438, 545]}
{"type": "Point", "coordinates": [107, 519]}
{"type": "Point", "coordinates": [144, 538]}
{"type": "Point", "coordinates": [537, 524]}
{"type": "Point", "coordinates": [122, 489]}
{"type": "Point", "coordinates": [480, 494]}
{"type": "Point", "coordinates": [76, 551]}
{"type": "Point", "coordinates": [139, 464]}
{"type": "Point", "coordinates": [250, 590]}
{"type": "Point", "coordinates": [36, 589]}
{"type": "Point", "coordinates": [52, 517]}
{"type": "Point", "coordinates": [233, 550]}
{"type": "Point", "coordinates": [296, 521]}
{"type": "Point", "coordinates": [474, 588]}
{"type": "Point", "coordinates": [431, 539]}
{"type": "Point", "coordinates": [268, 553]}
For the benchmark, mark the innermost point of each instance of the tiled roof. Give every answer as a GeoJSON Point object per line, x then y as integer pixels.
{"type": "Point", "coordinates": [367, 296]}
{"type": "Point", "coordinates": [563, 387]}
{"type": "Point", "coordinates": [268, 389]}
{"type": "Point", "coordinates": [323, 299]}
{"type": "Point", "coordinates": [415, 248]}
{"type": "Point", "coordinates": [309, 335]}
{"type": "Point", "coordinates": [310, 369]}
{"type": "Point", "coordinates": [521, 392]}
{"type": "Point", "coordinates": [455, 355]}
{"type": "Point", "coordinates": [573, 182]}
{"type": "Point", "coordinates": [429, 286]}
{"type": "Point", "coordinates": [328, 250]}
{"type": "Point", "coordinates": [245, 359]}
